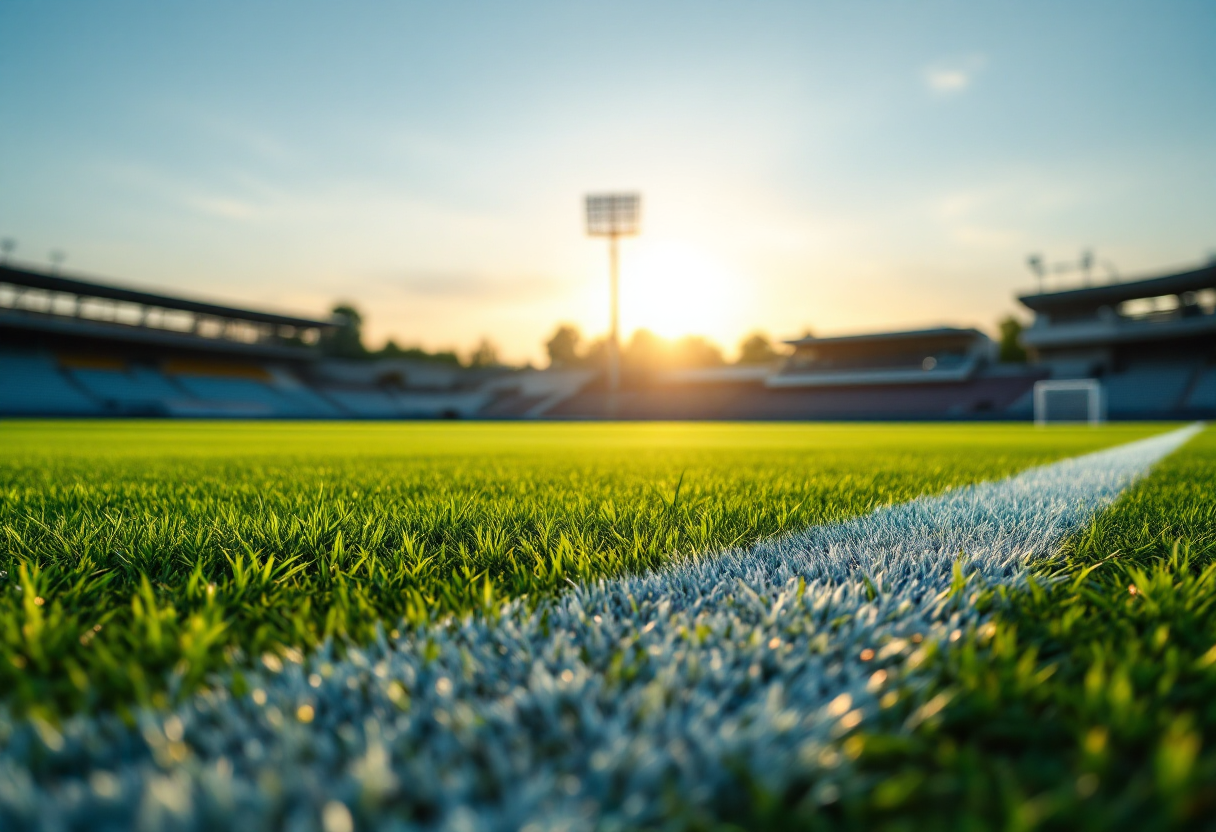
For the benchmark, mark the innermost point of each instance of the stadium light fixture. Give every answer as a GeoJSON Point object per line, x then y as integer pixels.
{"type": "Point", "coordinates": [613, 216]}
{"type": "Point", "coordinates": [1087, 263]}
{"type": "Point", "coordinates": [1039, 266]}
{"type": "Point", "coordinates": [1035, 263]}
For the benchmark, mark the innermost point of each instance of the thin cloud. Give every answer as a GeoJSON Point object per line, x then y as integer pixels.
{"type": "Point", "coordinates": [456, 285]}
{"type": "Point", "coordinates": [230, 209]}
{"type": "Point", "coordinates": [248, 138]}
{"type": "Point", "coordinates": [953, 77]}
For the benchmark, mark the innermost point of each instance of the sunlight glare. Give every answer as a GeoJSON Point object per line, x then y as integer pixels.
{"type": "Point", "coordinates": [674, 289]}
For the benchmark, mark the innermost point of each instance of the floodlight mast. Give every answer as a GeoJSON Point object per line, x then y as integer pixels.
{"type": "Point", "coordinates": [613, 216]}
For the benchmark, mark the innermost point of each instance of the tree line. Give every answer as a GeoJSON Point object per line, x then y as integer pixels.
{"type": "Point", "coordinates": [567, 349]}
{"type": "Point", "coordinates": [646, 350]}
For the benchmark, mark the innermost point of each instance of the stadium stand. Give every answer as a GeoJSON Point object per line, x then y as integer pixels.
{"type": "Point", "coordinates": [73, 347]}
{"type": "Point", "coordinates": [33, 385]}
{"type": "Point", "coordinates": [409, 404]}
{"type": "Point", "coordinates": [1202, 395]}
{"type": "Point", "coordinates": [372, 404]}
{"type": "Point", "coordinates": [89, 348]}
{"type": "Point", "coordinates": [923, 356]}
{"type": "Point", "coordinates": [1151, 342]}
{"type": "Point", "coordinates": [532, 393]}
{"type": "Point", "coordinates": [237, 394]}
{"type": "Point", "coordinates": [982, 398]}
{"type": "Point", "coordinates": [250, 389]}
{"type": "Point", "coordinates": [134, 391]}
{"type": "Point", "coordinates": [1151, 389]}
{"type": "Point", "coordinates": [303, 398]}
{"type": "Point", "coordinates": [941, 373]}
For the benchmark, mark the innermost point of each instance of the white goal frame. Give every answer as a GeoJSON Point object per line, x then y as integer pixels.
{"type": "Point", "coordinates": [1095, 400]}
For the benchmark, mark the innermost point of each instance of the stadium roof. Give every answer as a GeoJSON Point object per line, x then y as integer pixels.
{"type": "Point", "coordinates": [86, 288]}
{"type": "Point", "coordinates": [1113, 293]}
{"type": "Point", "coordinates": [905, 335]}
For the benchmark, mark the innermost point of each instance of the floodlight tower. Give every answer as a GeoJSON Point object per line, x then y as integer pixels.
{"type": "Point", "coordinates": [613, 216]}
{"type": "Point", "coordinates": [1034, 262]}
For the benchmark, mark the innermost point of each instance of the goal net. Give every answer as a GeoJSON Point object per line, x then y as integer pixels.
{"type": "Point", "coordinates": [1072, 400]}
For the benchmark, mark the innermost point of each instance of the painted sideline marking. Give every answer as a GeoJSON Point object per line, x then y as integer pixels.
{"type": "Point", "coordinates": [596, 710]}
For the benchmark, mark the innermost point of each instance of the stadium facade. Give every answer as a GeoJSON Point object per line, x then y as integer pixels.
{"type": "Point", "coordinates": [73, 347]}
{"type": "Point", "coordinates": [1151, 342]}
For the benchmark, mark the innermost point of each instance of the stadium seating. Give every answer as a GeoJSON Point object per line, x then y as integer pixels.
{"type": "Point", "coordinates": [131, 391]}
{"type": "Point", "coordinates": [1148, 389]}
{"type": "Point", "coordinates": [39, 383]}
{"type": "Point", "coordinates": [304, 400]}
{"type": "Point", "coordinates": [31, 384]}
{"type": "Point", "coordinates": [385, 404]}
{"type": "Point", "coordinates": [253, 396]}
{"type": "Point", "coordinates": [512, 405]}
{"type": "Point", "coordinates": [249, 395]}
{"type": "Point", "coordinates": [1203, 391]}
{"type": "Point", "coordinates": [368, 404]}
{"type": "Point", "coordinates": [984, 397]}
{"type": "Point", "coordinates": [442, 404]}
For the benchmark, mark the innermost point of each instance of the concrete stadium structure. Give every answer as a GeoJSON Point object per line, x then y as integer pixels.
{"type": "Point", "coordinates": [941, 373]}
{"type": "Point", "coordinates": [1150, 342]}
{"type": "Point", "coordinates": [74, 347]}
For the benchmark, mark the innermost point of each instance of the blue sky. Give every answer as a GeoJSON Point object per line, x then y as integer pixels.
{"type": "Point", "coordinates": [839, 166]}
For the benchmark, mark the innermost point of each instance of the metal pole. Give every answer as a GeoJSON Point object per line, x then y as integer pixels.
{"type": "Point", "coordinates": [614, 335]}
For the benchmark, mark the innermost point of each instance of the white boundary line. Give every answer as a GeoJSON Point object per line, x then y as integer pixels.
{"type": "Point", "coordinates": [595, 709]}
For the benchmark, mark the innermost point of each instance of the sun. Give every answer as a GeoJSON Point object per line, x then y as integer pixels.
{"type": "Point", "coordinates": [674, 289]}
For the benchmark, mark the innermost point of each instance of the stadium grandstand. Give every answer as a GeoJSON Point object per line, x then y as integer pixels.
{"type": "Point", "coordinates": [75, 347]}
{"type": "Point", "coordinates": [941, 373]}
{"type": "Point", "coordinates": [1149, 342]}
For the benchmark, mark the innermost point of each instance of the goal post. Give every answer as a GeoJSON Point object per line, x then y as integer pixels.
{"type": "Point", "coordinates": [1069, 401]}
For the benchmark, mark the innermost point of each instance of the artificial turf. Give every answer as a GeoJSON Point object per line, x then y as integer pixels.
{"type": "Point", "coordinates": [140, 557]}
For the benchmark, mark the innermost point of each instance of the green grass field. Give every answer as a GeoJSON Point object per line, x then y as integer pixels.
{"type": "Point", "coordinates": [144, 554]}
{"type": "Point", "coordinates": [143, 561]}
{"type": "Point", "coordinates": [1088, 702]}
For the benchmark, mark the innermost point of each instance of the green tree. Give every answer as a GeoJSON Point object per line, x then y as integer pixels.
{"type": "Point", "coordinates": [563, 347]}
{"type": "Point", "coordinates": [439, 356]}
{"type": "Point", "coordinates": [485, 354]}
{"type": "Point", "coordinates": [1011, 349]}
{"type": "Point", "coordinates": [346, 339]}
{"type": "Point", "coordinates": [645, 351]}
{"type": "Point", "coordinates": [757, 349]}
{"type": "Point", "coordinates": [693, 351]}
{"type": "Point", "coordinates": [596, 354]}
{"type": "Point", "coordinates": [391, 350]}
